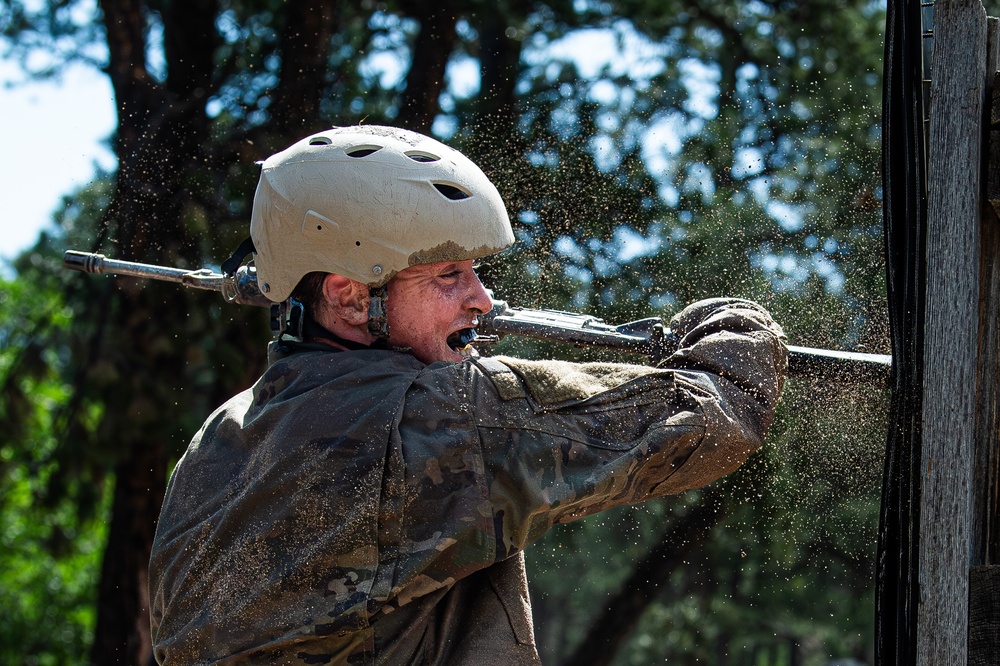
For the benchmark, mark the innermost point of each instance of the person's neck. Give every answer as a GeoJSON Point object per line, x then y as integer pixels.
{"type": "Point", "coordinates": [336, 333]}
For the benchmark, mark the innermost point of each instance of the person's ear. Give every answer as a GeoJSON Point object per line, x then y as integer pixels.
{"type": "Point", "coordinates": [346, 299]}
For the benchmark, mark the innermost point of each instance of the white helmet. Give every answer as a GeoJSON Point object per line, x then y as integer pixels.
{"type": "Point", "coordinates": [366, 202]}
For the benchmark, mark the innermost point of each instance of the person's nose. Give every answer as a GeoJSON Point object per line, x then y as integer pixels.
{"type": "Point", "coordinates": [478, 297]}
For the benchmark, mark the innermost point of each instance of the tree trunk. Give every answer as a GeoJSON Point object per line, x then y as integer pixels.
{"type": "Point", "coordinates": [122, 632]}
{"type": "Point", "coordinates": [425, 80]}
{"type": "Point", "coordinates": [496, 144]}
{"type": "Point", "coordinates": [305, 48]}
{"type": "Point", "coordinates": [161, 129]}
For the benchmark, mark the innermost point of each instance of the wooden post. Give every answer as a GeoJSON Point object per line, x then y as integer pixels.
{"type": "Point", "coordinates": [954, 170]}
{"type": "Point", "coordinates": [984, 577]}
{"type": "Point", "coordinates": [984, 521]}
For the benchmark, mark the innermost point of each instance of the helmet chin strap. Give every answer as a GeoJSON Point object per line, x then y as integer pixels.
{"type": "Point", "coordinates": [378, 322]}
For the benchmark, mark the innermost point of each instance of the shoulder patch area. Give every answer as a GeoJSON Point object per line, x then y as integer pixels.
{"type": "Point", "coordinates": [506, 382]}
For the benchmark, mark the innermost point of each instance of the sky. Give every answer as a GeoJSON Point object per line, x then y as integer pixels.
{"type": "Point", "coordinates": [52, 139]}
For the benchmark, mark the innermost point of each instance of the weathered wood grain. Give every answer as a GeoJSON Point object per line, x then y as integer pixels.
{"type": "Point", "coordinates": [958, 88]}
{"type": "Point", "coordinates": [984, 581]}
{"type": "Point", "coordinates": [984, 616]}
{"type": "Point", "coordinates": [984, 515]}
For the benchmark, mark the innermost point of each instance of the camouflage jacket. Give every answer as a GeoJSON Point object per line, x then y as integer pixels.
{"type": "Point", "coordinates": [364, 508]}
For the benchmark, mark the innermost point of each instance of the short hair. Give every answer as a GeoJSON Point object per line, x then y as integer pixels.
{"type": "Point", "coordinates": [309, 292]}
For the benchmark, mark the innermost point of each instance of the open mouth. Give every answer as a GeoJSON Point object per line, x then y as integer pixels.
{"type": "Point", "coordinates": [461, 341]}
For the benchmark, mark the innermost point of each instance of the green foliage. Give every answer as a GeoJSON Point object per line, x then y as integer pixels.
{"type": "Point", "coordinates": [52, 527]}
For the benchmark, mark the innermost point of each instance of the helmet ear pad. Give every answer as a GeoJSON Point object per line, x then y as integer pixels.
{"type": "Point", "coordinates": [367, 202]}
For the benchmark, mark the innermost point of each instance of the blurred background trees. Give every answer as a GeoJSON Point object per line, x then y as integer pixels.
{"type": "Point", "coordinates": [650, 153]}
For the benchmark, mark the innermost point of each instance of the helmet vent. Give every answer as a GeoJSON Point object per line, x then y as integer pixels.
{"type": "Point", "coordinates": [422, 157]}
{"type": "Point", "coordinates": [452, 192]}
{"type": "Point", "coordinates": [320, 141]}
{"type": "Point", "coordinates": [363, 151]}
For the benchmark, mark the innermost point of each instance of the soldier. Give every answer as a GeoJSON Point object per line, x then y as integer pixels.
{"type": "Point", "coordinates": [368, 500]}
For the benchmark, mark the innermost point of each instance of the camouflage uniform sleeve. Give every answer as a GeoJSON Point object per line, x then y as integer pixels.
{"type": "Point", "coordinates": [562, 440]}
{"type": "Point", "coordinates": [491, 454]}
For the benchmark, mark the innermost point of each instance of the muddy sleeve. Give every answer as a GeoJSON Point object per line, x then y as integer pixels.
{"type": "Point", "coordinates": [561, 440]}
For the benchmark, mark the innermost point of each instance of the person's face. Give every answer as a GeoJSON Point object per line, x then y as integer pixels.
{"type": "Point", "coordinates": [430, 302]}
